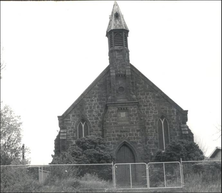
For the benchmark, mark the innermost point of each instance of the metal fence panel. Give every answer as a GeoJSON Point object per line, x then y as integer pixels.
{"type": "Point", "coordinates": [123, 178]}
{"type": "Point", "coordinates": [130, 175]}
{"type": "Point", "coordinates": [165, 175]}
{"type": "Point", "coordinates": [87, 177]}
{"type": "Point", "coordinates": [139, 177]}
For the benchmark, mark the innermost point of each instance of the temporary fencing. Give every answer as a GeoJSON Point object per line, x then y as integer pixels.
{"type": "Point", "coordinates": [165, 175]}
{"type": "Point", "coordinates": [152, 175]}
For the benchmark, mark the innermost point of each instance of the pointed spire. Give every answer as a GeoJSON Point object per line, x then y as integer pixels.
{"type": "Point", "coordinates": [116, 19]}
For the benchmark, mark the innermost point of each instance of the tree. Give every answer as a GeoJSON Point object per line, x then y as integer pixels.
{"type": "Point", "coordinates": [11, 148]}
{"type": "Point", "coordinates": [87, 150]}
{"type": "Point", "coordinates": [187, 150]}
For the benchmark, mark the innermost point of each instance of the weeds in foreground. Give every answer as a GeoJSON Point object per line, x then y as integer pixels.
{"type": "Point", "coordinates": [14, 179]}
{"type": "Point", "coordinates": [88, 181]}
{"type": "Point", "coordinates": [195, 183]}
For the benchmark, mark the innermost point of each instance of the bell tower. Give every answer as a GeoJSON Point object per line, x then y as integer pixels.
{"type": "Point", "coordinates": [117, 34]}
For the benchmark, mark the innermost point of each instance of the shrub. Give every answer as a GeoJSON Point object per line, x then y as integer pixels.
{"type": "Point", "coordinates": [187, 150]}
{"type": "Point", "coordinates": [60, 173]}
{"type": "Point", "coordinates": [17, 179]}
{"type": "Point", "coordinates": [88, 150]}
{"type": "Point", "coordinates": [93, 182]}
{"type": "Point", "coordinates": [210, 171]}
{"type": "Point", "coordinates": [62, 185]}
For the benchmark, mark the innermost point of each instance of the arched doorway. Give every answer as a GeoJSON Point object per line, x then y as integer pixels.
{"type": "Point", "coordinates": [125, 154]}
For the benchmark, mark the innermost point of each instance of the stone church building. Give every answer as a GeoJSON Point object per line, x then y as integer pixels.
{"type": "Point", "coordinates": [123, 106]}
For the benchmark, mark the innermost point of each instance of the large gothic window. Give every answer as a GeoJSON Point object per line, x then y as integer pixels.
{"type": "Point", "coordinates": [163, 130]}
{"type": "Point", "coordinates": [82, 129]}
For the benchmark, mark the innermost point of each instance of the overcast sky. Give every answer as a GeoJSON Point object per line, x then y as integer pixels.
{"type": "Point", "coordinates": [52, 51]}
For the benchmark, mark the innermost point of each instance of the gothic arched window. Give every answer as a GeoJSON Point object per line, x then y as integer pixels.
{"type": "Point", "coordinates": [163, 130]}
{"type": "Point", "coordinates": [82, 129]}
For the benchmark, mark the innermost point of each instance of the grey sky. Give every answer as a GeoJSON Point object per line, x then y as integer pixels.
{"type": "Point", "coordinates": [54, 50]}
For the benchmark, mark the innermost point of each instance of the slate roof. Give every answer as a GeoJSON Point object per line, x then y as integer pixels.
{"type": "Point", "coordinates": [137, 72]}
{"type": "Point", "coordinates": [116, 20]}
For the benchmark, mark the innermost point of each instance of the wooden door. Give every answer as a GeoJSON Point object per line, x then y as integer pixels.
{"type": "Point", "coordinates": [124, 155]}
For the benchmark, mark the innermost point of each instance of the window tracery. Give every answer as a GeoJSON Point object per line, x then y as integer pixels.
{"type": "Point", "coordinates": [163, 130]}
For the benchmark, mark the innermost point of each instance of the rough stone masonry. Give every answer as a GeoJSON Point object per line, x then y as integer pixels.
{"type": "Point", "coordinates": [123, 106]}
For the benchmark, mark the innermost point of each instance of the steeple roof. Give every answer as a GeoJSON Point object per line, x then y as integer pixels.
{"type": "Point", "coordinates": [116, 20]}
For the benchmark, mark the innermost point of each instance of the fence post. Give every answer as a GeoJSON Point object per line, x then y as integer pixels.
{"type": "Point", "coordinates": [114, 174]}
{"type": "Point", "coordinates": [131, 184]}
{"type": "Point", "coordinates": [40, 175]}
{"type": "Point", "coordinates": [181, 172]}
{"type": "Point", "coordinates": [164, 174]}
{"type": "Point", "coordinates": [147, 176]}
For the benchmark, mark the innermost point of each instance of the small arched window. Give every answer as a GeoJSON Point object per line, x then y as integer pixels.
{"type": "Point", "coordinates": [163, 130]}
{"type": "Point", "coordinates": [82, 129]}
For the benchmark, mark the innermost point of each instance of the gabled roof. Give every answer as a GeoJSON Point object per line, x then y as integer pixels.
{"type": "Point", "coordinates": [137, 72]}
{"type": "Point", "coordinates": [116, 19]}
{"type": "Point", "coordinates": [104, 72]}
{"type": "Point", "coordinates": [161, 93]}
{"type": "Point", "coordinates": [215, 152]}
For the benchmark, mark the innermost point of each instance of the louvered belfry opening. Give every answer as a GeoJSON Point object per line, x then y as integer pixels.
{"type": "Point", "coordinates": [117, 31]}
{"type": "Point", "coordinates": [118, 38]}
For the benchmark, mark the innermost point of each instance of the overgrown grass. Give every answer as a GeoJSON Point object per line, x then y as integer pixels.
{"type": "Point", "coordinates": [14, 179]}
{"type": "Point", "coordinates": [93, 182]}
{"type": "Point", "coordinates": [202, 177]}
{"type": "Point", "coordinates": [25, 180]}
{"type": "Point", "coordinates": [88, 181]}
{"type": "Point", "coordinates": [196, 183]}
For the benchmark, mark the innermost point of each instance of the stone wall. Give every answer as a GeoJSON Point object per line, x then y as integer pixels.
{"type": "Point", "coordinates": [91, 107]}
{"type": "Point", "coordinates": [152, 105]}
{"type": "Point", "coordinates": [134, 121]}
{"type": "Point", "coordinates": [122, 123]}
